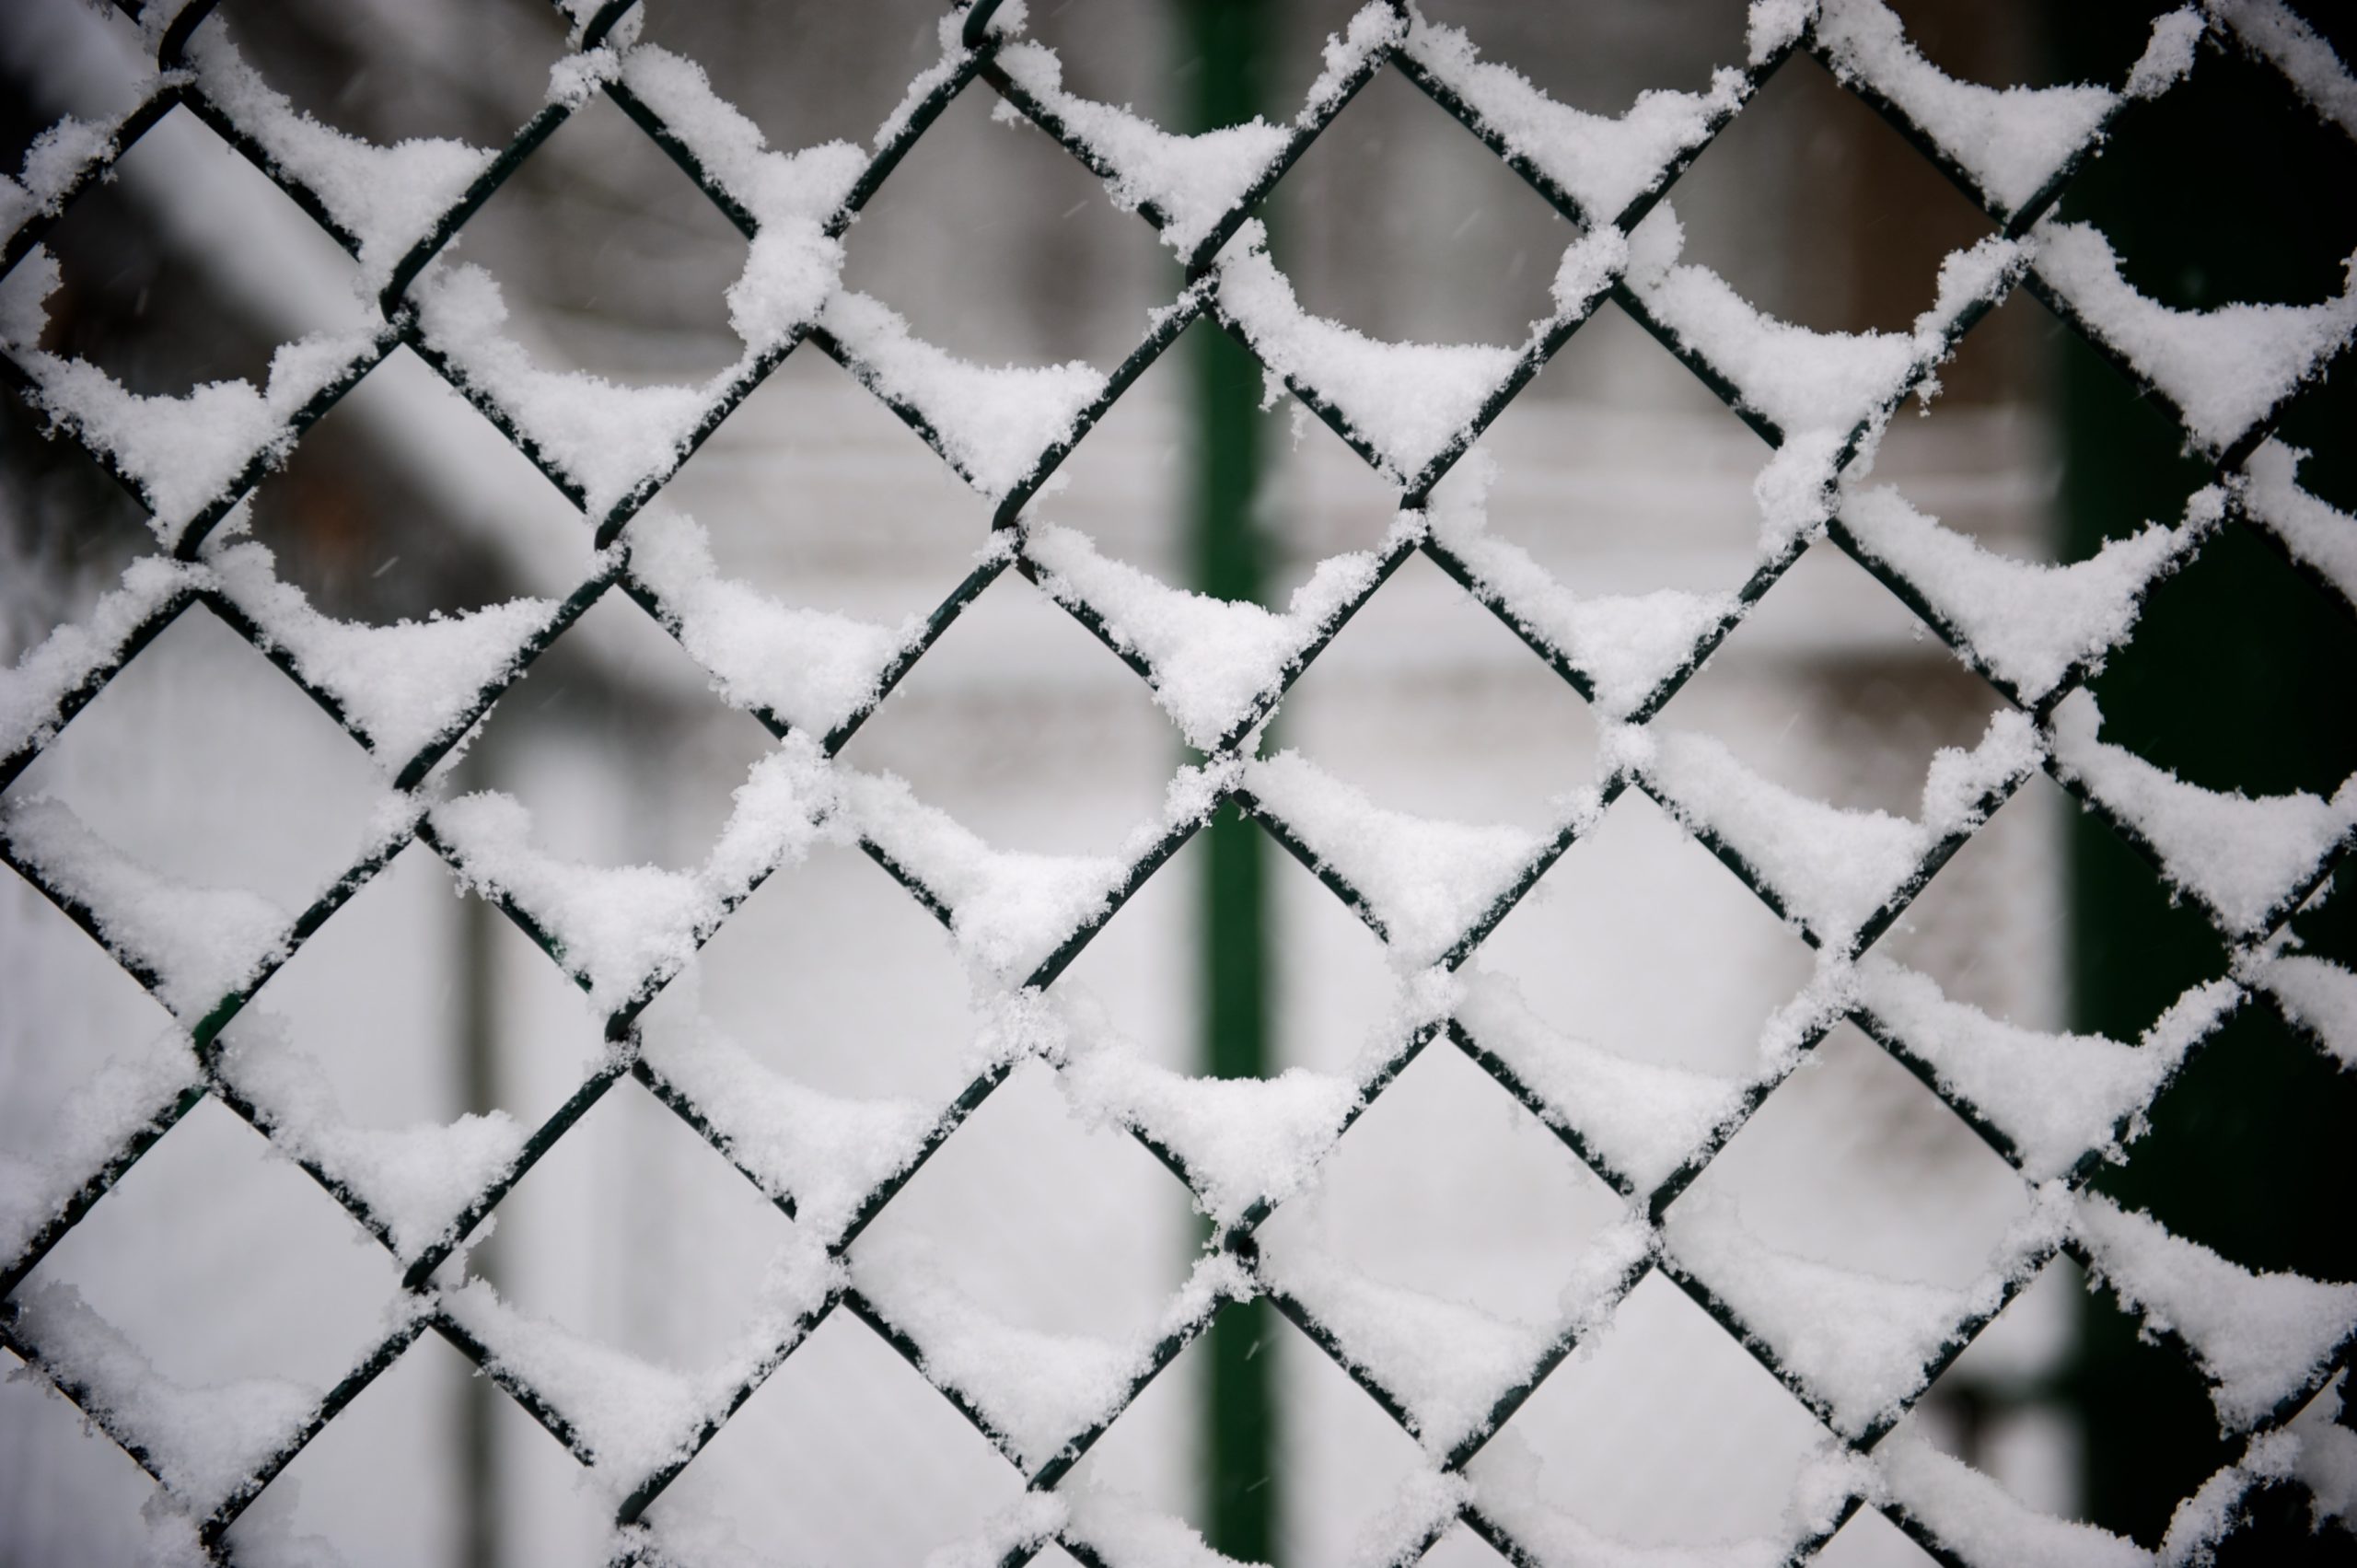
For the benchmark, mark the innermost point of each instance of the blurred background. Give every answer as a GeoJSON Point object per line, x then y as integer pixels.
{"type": "Point", "coordinates": [1617, 469]}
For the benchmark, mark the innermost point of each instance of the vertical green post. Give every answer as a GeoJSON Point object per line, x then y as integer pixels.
{"type": "Point", "coordinates": [1220, 41]}
{"type": "Point", "coordinates": [475, 1451]}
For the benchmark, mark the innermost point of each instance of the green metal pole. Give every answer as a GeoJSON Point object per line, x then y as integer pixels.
{"type": "Point", "coordinates": [1221, 44]}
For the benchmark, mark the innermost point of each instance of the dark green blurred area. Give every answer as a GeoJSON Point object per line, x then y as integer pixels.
{"type": "Point", "coordinates": [2239, 677]}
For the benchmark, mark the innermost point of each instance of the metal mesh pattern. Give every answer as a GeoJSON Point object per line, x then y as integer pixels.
{"type": "Point", "coordinates": [2051, 726]}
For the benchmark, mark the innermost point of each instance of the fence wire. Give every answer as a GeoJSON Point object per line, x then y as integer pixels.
{"type": "Point", "coordinates": [1605, 179]}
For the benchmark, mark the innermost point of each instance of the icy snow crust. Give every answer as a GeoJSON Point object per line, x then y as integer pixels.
{"type": "Point", "coordinates": [1856, 1345]}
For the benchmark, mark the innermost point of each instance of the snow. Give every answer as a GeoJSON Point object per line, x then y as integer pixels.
{"type": "Point", "coordinates": [1830, 868]}
{"type": "Point", "coordinates": [2011, 140]}
{"type": "Point", "coordinates": [823, 1152]}
{"type": "Point", "coordinates": [202, 1441]}
{"type": "Point", "coordinates": [1214, 662]}
{"type": "Point", "coordinates": [1623, 646]}
{"type": "Point", "coordinates": [608, 438]}
{"type": "Point", "coordinates": [1191, 181]}
{"type": "Point", "coordinates": [2276, 33]}
{"type": "Point", "coordinates": [1373, 27]}
{"type": "Point", "coordinates": [402, 686]}
{"type": "Point", "coordinates": [58, 160]}
{"type": "Point", "coordinates": [793, 198]}
{"type": "Point", "coordinates": [130, 1094]}
{"type": "Point", "coordinates": [620, 929]}
{"type": "Point", "coordinates": [1448, 1363]}
{"type": "Point", "coordinates": [955, 57]}
{"type": "Point", "coordinates": [2261, 1337]}
{"type": "Point", "coordinates": [603, 436]}
{"type": "Point", "coordinates": [1125, 1533]}
{"type": "Point", "coordinates": [2318, 994]}
{"type": "Point", "coordinates": [1861, 1342]}
{"type": "Point", "coordinates": [2032, 624]}
{"type": "Point", "coordinates": [1771, 26]}
{"type": "Point", "coordinates": [994, 423]}
{"type": "Point", "coordinates": [2327, 1456]}
{"type": "Point", "coordinates": [1426, 881]}
{"type": "Point", "coordinates": [1037, 1390]}
{"type": "Point", "coordinates": [53, 668]}
{"type": "Point", "coordinates": [812, 669]}
{"type": "Point", "coordinates": [1407, 401]}
{"type": "Point", "coordinates": [1422, 1503]}
{"type": "Point", "coordinates": [633, 1417]}
{"type": "Point", "coordinates": [1445, 1361]}
{"type": "Point", "coordinates": [416, 1180]}
{"type": "Point", "coordinates": [2168, 53]}
{"type": "Point", "coordinates": [200, 944]}
{"type": "Point", "coordinates": [808, 186]}
{"type": "Point", "coordinates": [185, 452]}
{"type": "Point", "coordinates": [1009, 910]}
{"type": "Point", "coordinates": [1985, 1524]}
{"type": "Point", "coordinates": [1507, 1474]}
{"type": "Point", "coordinates": [2242, 857]}
{"type": "Point", "coordinates": [387, 198]}
{"type": "Point", "coordinates": [1013, 1531]}
{"type": "Point", "coordinates": [1244, 1141]}
{"type": "Point", "coordinates": [2055, 1097]}
{"type": "Point", "coordinates": [1603, 163]}
{"type": "Point", "coordinates": [2317, 536]}
{"type": "Point", "coordinates": [1643, 1119]}
{"type": "Point", "coordinates": [1797, 379]}
{"type": "Point", "coordinates": [2225, 370]}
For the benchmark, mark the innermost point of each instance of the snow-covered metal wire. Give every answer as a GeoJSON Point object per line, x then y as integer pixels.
{"type": "Point", "coordinates": [2056, 1107]}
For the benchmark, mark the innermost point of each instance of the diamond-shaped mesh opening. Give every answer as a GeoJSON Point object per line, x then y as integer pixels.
{"type": "Point", "coordinates": [881, 1007]}
{"type": "Point", "coordinates": [369, 533]}
{"type": "Point", "coordinates": [69, 1490]}
{"type": "Point", "coordinates": [639, 1179]}
{"type": "Point", "coordinates": [814, 492]}
{"type": "Point", "coordinates": [1848, 1163]}
{"type": "Point", "coordinates": [777, 67]}
{"type": "Point", "coordinates": [165, 301]}
{"type": "Point", "coordinates": [283, 829]}
{"type": "Point", "coordinates": [1404, 192]}
{"type": "Point", "coordinates": [386, 1483]}
{"type": "Point", "coordinates": [1090, 750]}
{"type": "Point", "coordinates": [74, 531]}
{"type": "Point", "coordinates": [2231, 131]}
{"type": "Point", "coordinates": [2008, 965]}
{"type": "Point", "coordinates": [1635, 897]}
{"type": "Point", "coordinates": [1448, 1189]}
{"type": "Point", "coordinates": [1014, 1223]}
{"type": "Point", "coordinates": [2258, 627]}
{"type": "Point", "coordinates": [615, 688]}
{"type": "Point", "coordinates": [594, 218]}
{"type": "Point", "coordinates": [359, 72]}
{"type": "Point", "coordinates": [210, 1209]}
{"type": "Point", "coordinates": [1871, 220]}
{"type": "Point", "coordinates": [1585, 71]}
{"type": "Point", "coordinates": [1662, 1432]}
{"type": "Point", "coordinates": [847, 1451]}
{"type": "Point", "coordinates": [1000, 247]}
{"type": "Point", "coordinates": [1502, 735]}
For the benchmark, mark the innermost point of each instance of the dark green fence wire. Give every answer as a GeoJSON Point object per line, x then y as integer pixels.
{"type": "Point", "coordinates": [176, 88]}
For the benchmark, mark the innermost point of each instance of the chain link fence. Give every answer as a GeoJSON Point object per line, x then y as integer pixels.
{"type": "Point", "coordinates": [1857, 1352]}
